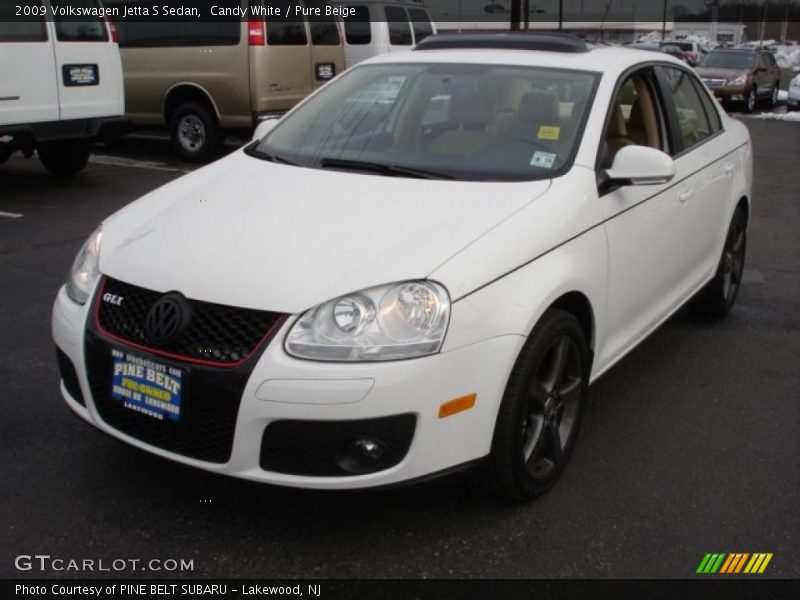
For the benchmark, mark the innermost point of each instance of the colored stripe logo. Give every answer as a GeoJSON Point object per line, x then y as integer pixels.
{"type": "Point", "coordinates": [734, 563]}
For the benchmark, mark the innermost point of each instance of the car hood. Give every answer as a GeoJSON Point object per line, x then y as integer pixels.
{"type": "Point", "coordinates": [718, 73]}
{"type": "Point", "coordinates": [257, 234]}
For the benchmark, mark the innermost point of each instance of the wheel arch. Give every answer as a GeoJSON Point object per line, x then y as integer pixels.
{"type": "Point", "coordinates": [744, 204]}
{"type": "Point", "coordinates": [186, 91]}
{"type": "Point", "coordinates": [579, 306]}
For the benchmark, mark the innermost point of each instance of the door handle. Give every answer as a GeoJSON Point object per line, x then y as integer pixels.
{"type": "Point", "coordinates": [728, 168]}
{"type": "Point", "coordinates": [685, 196]}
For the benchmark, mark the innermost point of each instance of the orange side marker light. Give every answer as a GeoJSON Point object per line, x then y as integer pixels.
{"type": "Point", "coordinates": [456, 406]}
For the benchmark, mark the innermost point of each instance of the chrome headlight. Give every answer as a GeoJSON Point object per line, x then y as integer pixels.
{"type": "Point", "coordinates": [85, 269]}
{"type": "Point", "coordinates": [741, 80]}
{"type": "Point", "coordinates": [389, 322]}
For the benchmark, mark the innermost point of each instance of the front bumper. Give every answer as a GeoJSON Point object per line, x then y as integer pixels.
{"type": "Point", "coordinates": [731, 93]}
{"type": "Point", "coordinates": [287, 390]}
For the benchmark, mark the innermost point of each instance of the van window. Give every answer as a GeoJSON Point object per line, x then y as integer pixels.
{"type": "Point", "coordinates": [282, 31]}
{"type": "Point", "coordinates": [81, 31]}
{"type": "Point", "coordinates": [399, 27]}
{"type": "Point", "coordinates": [13, 30]}
{"type": "Point", "coordinates": [154, 34]}
{"type": "Point", "coordinates": [324, 31]}
{"type": "Point", "coordinates": [357, 28]}
{"type": "Point", "coordinates": [421, 23]}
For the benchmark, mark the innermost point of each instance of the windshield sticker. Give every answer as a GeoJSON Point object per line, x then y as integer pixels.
{"type": "Point", "coordinates": [543, 160]}
{"type": "Point", "coordinates": [549, 132]}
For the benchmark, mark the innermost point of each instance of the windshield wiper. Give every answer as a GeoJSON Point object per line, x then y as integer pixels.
{"type": "Point", "coordinates": [253, 150]}
{"type": "Point", "coordinates": [381, 168]}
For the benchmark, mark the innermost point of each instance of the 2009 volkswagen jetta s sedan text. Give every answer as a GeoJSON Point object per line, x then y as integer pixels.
{"type": "Point", "coordinates": [419, 269]}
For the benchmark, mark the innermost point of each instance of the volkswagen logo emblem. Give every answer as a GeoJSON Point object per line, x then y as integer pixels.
{"type": "Point", "coordinates": [167, 318]}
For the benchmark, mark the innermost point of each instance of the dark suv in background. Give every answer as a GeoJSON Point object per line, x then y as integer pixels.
{"type": "Point", "coordinates": [741, 75]}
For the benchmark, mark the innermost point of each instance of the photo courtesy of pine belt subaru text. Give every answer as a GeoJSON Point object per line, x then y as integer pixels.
{"type": "Point", "coordinates": [420, 269]}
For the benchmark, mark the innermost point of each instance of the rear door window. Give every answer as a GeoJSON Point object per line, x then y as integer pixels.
{"type": "Point", "coordinates": [324, 30]}
{"type": "Point", "coordinates": [399, 27]}
{"type": "Point", "coordinates": [70, 30]}
{"type": "Point", "coordinates": [286, 30]}
{"type": "Point", "coordinates": [357, 28]}
{"type": "Point", "coordinates": [710, 106]}
{"type": "Point", "coordinates": [421, 23]}
{"type": "Point", "coordinates": [692, 126]}
{"type": "Point", "coordinates": [14, 29]}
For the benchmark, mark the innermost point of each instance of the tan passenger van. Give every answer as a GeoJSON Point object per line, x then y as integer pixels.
{"type": "Point", "coordinates": [201, 78]}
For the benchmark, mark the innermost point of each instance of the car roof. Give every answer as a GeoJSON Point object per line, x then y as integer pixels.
{"type": "Point", "coordinates": [736, 50]}
{"type": "Point", "coordinates": [609, 60]}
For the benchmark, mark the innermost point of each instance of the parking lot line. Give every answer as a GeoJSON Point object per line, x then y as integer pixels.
{"type": "Point", "coordinates": [117, 161]}
{"type": "Point", "coordinates": [10, 215]}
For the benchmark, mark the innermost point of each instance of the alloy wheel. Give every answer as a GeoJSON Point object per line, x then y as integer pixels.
{"type": "Point", "coordinates": [733, 262]}
{"type": "Point", "coordinates": [553, 401]}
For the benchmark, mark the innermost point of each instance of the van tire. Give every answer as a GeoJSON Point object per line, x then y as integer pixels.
{"type": "Point", "coordinates": [195, 132]}
{"type": "Point", "coordinates": [64, 159]}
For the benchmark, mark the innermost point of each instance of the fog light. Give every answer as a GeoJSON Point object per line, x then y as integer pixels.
{"type": "Point", "coordinates": [362, 455]}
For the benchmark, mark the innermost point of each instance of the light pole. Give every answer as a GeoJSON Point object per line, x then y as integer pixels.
{"type": "Point", "coordinates": [714, 4]}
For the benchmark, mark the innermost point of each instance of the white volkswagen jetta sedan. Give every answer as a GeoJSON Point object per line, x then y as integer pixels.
{"type": "Point", "coordinates": [419, 269]}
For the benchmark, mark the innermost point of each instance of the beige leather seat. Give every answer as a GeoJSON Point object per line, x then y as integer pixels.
{"type": "Point", "coordinates": [470, 115]}
{"type": "Point", "coordinates": [616, 134]}
{"type": "Point", "coordinates": [536, 109]}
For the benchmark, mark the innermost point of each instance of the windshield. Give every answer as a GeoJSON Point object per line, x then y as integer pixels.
{"type": "Point", "coordinates": [448, 121]}
{"type": "Point", "coordinates": [730, 60]}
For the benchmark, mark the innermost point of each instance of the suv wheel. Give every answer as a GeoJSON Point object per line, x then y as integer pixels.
{"type": "Point", "coordinates": [541, 409]}
{"type": "Point", "coordinates": [195, 132]}
{"type": "Point", "coordinates": [716, 299]}
{"type": "Point", "coordinates": [773, 100]}
{"type": "Point", "coordinates": [750, 101]}
{"type": "Point", "coordinates": [64, 158]}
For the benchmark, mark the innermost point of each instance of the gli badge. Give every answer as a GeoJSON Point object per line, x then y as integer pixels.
{"type": "Point", "coordinates": [112, 299]}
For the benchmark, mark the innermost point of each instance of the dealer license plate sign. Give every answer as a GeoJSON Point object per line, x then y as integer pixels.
{"type": "Point", "coordinates": [146, 386]}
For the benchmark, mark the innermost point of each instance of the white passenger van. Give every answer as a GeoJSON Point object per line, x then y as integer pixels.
{"type": "Point", "coordinates": [60, 86]}
{"type": "Point", "coordinates": [378, 27]}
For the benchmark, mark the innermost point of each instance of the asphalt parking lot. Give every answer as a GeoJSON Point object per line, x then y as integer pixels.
{"type": "Point", "coordinates": [690, 445]}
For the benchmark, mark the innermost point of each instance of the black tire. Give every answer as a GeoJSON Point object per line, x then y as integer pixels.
{"type": "Point", "coordinates": [4, 155]}
{"type": "Point", "coordinates": [195, 132]}
{"type": "Point", "coordinates": [64, 159]}
{"type": "Point", "coordinates": [751, 100]}
{"type": "Point", "coordinates": [541, 409]}
{"type": "Point", "coordinates": [717, 298]}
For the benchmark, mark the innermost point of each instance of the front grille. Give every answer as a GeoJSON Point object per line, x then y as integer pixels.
{"type": "Point", "coordinates": [212, 390]}
{"type": "Point", "coordinates": [209, 406]}
{"type": "Point", "coordinates": [69, 376]}
{"type": "Point", "coordinates": [315, 448]}
{"type": "Point", "coordinates": [215, 333]}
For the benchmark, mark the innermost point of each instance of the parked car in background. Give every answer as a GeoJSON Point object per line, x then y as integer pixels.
{"type": "Point", "coordinates": [201, 79]}
{"type": "Point", "coordinates": [793, 101]}
{"type": "Point", "coordinates": [666, 49]}
{"type": "Point", "coordinates": [742, 75]}
{"type": "Point", "coordinates": [418, 270]}
{"type": "Point", "coordinates": [693, 52]}
{"type": "Point", "coordinates": [60, 89]}
{"type": "Point", "coordinates": [380, 27]}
